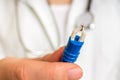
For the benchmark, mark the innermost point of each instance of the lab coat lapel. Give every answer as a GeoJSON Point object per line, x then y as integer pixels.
{"type": "Point", "coordinates": [77, 9]}
{"type": "Point", "coordinates": [41, 7]}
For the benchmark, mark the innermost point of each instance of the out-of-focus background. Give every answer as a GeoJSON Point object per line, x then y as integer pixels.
{"type": "Point", "coordinates": [32, 28]}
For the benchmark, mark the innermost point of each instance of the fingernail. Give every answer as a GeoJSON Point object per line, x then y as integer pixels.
{"type": "Point", "coordinates": [74, 74]}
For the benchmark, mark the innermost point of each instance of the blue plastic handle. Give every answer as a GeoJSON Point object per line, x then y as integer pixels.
{"type": "Point", "coordinates": [72, 50]}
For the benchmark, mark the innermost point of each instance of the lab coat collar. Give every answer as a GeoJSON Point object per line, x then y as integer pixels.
{"type": "Point", "coordinates": [41, 7]}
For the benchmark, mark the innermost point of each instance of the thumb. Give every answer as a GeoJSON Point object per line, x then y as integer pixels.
{"type": "Point", "coordinates": [53, 71]}
{"type": "Point", "coordinates": [54, 57]}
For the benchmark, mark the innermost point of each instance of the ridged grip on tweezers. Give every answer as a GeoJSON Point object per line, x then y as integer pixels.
{"type": "Point", "coordinates": [72, 50]}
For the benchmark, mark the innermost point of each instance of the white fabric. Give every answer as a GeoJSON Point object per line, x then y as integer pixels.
{"type": "Point", "coordinates": [99, 56]}
{"type": "Point", "coordinates": [1, 52]}
{"type": "Point", "coordinates": [60, 13]}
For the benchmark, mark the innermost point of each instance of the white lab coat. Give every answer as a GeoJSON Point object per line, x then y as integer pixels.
{"type": "Point", "coordinates": [22, 35]}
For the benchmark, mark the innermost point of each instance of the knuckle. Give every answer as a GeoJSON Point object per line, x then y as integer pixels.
{"type": "Point", "coordinates": [51, 72]}
{"type": "Point", "coordinates": [53, 76]}
{"type": "Point", "coordinates": [55, 73]}
{"type": "Point", "coordinates": [20, 72]}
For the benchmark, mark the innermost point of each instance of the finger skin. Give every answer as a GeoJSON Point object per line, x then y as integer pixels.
{"type": "Point", "coordinates": [26, 69]}
{"type": "Point", "coordinates": [46, 68]}
{"type": "Point", "coordinates": [54, 57]}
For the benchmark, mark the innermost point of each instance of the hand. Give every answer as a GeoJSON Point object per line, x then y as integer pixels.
{"type": "Point", "coordinates": [47, 68]}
